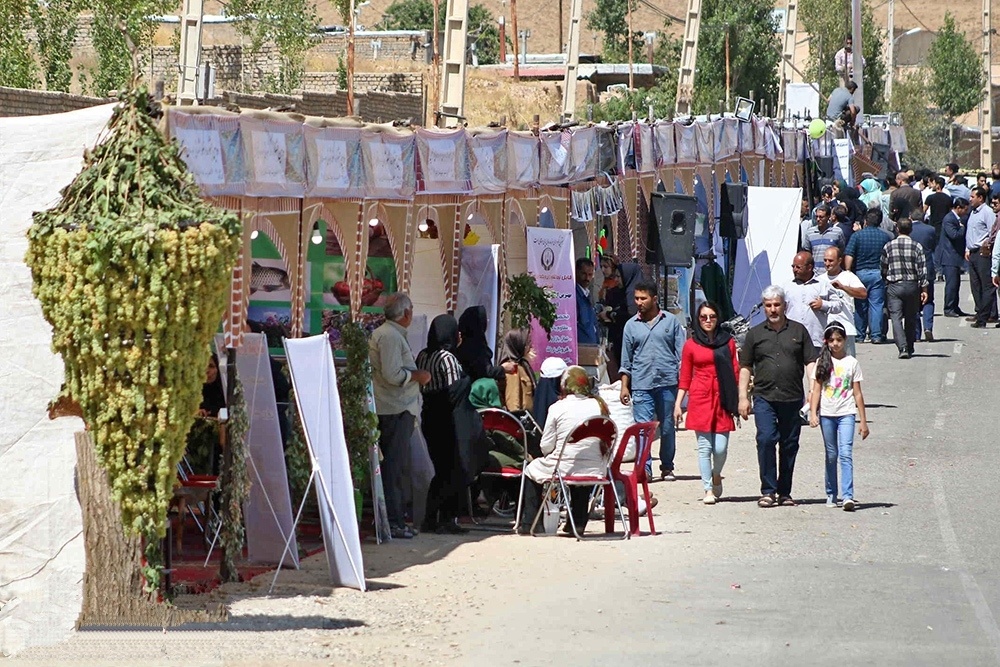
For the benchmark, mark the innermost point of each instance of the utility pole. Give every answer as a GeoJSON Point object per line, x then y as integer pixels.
{"type": "Point", "coordinates": [513, 25]}
{"type": "Point", "coordinates": [890, 56]}
{"type": "Point", "coordinates": [350, 61]}
{"type": "Point", "coordinates": [561, 43]}
{"type": "Point", "coordinates": [572, 59]}
{"type": "Point", "coordinates": [631, 60]}
{"type": "Point", "coordinates": [859, 74]}
{"type": "Point", "coordinates": [453, 78]}
{"type": "Point", "coordinates": [435, 64]}
{"type": "Point", "coordinates": [986, 117]}
{"type": "Point", "coordinates": [728, 73]}
{"type": "Point", "coordinates": [190, 56]}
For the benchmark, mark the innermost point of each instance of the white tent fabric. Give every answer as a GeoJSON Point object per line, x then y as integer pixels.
{"type": "Point", "coordinates": [764, 257]}
{"type": "Point", "coordinates": [41, 540]}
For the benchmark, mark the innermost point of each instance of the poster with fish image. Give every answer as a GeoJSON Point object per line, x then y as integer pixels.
{"type": "Point", "coordinates": [270, 281]}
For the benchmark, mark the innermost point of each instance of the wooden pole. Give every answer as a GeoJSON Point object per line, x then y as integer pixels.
{"type": "Point", "coordinates": [561, 49]}
{"type": "Point", "coordinates": [436, 66]}
{"type": "Point", "coordinates": [631, 60]}
{"type": "Point", "coordinates": [890, 54]}
{"type": "Point", "coordinates": [350, 63]}
{"type": "Point", "coordinates": [728, 72]}
{"type": "Point", "coordinates": [513, 25]}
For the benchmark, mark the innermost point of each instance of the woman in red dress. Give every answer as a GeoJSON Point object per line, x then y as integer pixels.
{"type": "Point", "coordinates": [708, 377]}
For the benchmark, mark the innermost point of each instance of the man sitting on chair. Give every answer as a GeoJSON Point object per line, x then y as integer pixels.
{"type": "Point", "coordinates": [576, 404]}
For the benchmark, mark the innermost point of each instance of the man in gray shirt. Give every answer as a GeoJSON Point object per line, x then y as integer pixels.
{"type": "Point", "coordinates": [842, 105]}
{"type": "Point", "coordinates": [810, 298]}
{"type": "Point", "coordinates": [396, 382]}
{"type": "Point", "coordinates": [651, 358]}
{"type": "Point", "coordinates": [981, 219]}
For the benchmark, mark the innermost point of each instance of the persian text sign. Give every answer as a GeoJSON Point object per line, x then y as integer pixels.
{"type": "Point", "coordinates": [550, 261]}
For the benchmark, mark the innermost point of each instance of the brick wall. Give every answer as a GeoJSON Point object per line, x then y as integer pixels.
{"type": "Point", "coordinates": [231, 65]}
{"type": "Point", "coordinates": [373, 106]}
{"type": "Point", "coordinates": [397, 82]}
{"type": "Point", "coordinates": [21, 102]}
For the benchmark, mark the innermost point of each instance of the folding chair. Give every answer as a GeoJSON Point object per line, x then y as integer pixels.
{"type": "Point", "coordinates": [200, 489]}
{"type": "Point", "coordinates": [499, 420]}
{"type": "Point", "coordinates": [643, 433]}
{"type": "Point", "coordinates": [606, 432]}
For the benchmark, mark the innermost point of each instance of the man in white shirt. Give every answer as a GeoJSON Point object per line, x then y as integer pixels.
{"type": "Point", "coordinates": [844, 60]}
{"type": "Point", "coordinates": [849, 287]}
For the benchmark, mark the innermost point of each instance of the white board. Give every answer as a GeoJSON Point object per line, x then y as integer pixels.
{"type": "Point", "coordinates": [478, 285]}
{"type": "Point", "coordinates": [315, 380]}
{"type": "Point", "coordinates": [764, 257]}
{"type": "Point", "coordinates": [268, 509]}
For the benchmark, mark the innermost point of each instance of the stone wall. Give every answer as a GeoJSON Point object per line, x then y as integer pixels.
{"type": "Point", "coordinates": [21, 102]}
{"type": "Point", "coordinates": [232, 65]}
{"type": "Point", "coordinates": [377, 45]}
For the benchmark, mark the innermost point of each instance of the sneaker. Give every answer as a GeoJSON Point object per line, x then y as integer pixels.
{"type": "Point", "coordinates": [848, 504]}
{"type": "Point", "coordinates": [903, 354]}
{"type": "Point", "coordinates": [710, 498]}
{"type": "Point", "coordinates": [401, 533]}
{"type": "Point", "coordinates": [929, 336]}
{"type": "Point", "coordinates": [831, 501]}
{"type": "Point", "coordinates": [668, 476]}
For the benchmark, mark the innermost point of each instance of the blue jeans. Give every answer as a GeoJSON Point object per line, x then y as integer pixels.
{"type": "Point", "coordinates": [778, 423]}
{"type": "Point", "coordinates": [838, 435]}
{"type": "Point", "coordinates": [926, 320]}
{"type": "Point", "coordinates": [712, 451]}
{"type": "Point", "coordinates": [868, 312]}
{"type": "Point", "coordinates": [658, 404]}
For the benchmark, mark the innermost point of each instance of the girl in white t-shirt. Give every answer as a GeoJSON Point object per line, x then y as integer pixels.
{"type": "Point", "coordinates": [836, 404]}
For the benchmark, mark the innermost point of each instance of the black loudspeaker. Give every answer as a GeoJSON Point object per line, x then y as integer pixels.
{"type": "Point", "coordinates": [824, 167]}
{"type": "Point", "coordinates": [733, 211]}
{"type": "Point", "coordinates": [671, 224]}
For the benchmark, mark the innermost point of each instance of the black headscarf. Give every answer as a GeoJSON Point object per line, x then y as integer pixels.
{"type": "Point", "coordinates": [442, 335]}
{"type": "Point", "coordinates": [213, 397]}
{"type": "Point", "coordinates": [475, 353]}
{"type": "Point", "coordinates": [719, 344]}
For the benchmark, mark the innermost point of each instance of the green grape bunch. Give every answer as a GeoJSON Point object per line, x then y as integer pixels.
{"type": "Point", "coordinates": [133, 268]}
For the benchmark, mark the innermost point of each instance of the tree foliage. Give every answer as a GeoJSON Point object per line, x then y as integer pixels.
{"type": "Point", "coordinates": [754, 53]}
{"type": "Point", "coordinates": [926, 129]}
{"type": "Point", "coordinates": [290, 25]}
{"type": "Point", "coordinates": [419, 15]}
{"type": "Point", "coordinates": [661, 97]}
{"type": "Point", "coordinates": [828, 22]}
{"type": "Point", "coordinates": [610, 17]}
{"type": "Point", "coordinates": [55, 23]}
{"type": "Point", "coordinates": [17, 64]}
{"type": "Point", "coordinates": [957, 78]}
{"type": "Point", "coordinates": [119, 28]}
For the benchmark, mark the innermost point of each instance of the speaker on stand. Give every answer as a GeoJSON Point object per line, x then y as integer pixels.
{"type": "Point", "coordinates": [671, 228]}
{"type": "Point", "coordinates": [732, 223]}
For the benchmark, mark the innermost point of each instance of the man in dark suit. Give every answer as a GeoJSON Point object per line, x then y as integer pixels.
{"type": "Point", "coordinates": [952, 243]}
{"type": "Point", "coordinates": [927, 237]}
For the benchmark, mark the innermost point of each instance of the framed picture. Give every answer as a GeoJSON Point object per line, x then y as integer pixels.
{"type": "Point", "coordinates": [744, 108]}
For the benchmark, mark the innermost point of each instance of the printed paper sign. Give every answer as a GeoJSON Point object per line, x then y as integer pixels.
{"type": "Point", "coordinates": [550, 261]}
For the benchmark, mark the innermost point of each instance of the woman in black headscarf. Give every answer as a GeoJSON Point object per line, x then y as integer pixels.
{"type": "Point", "coordinates": [850, 197]}
{"type": "Point", "coordinates": [452, 428]}
{"type": "Point", "coordinates": [213, 397]}
{"type": "Point", "coordinates": [474, 352]}
{"type": "Point", "coordinates": [709, 373]}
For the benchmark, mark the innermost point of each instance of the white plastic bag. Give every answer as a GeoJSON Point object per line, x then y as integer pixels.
{"type": "Point", "coordinates": [620, 414]}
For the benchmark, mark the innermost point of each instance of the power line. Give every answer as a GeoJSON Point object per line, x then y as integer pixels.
{"type": "Point", "coordinates": [916, 18]}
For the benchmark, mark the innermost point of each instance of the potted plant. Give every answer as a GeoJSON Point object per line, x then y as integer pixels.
{"type": "Point", "coordinates": [526, 300]}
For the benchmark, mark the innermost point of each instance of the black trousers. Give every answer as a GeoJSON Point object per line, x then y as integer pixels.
{"type": "Point", "coordinates": [983, 293]}
{"type": "Point", "coordinates": [952, 281]}
{"type": "Point", "coordinates": [903, 299]}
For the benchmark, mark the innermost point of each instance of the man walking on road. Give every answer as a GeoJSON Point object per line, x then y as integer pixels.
{"type": "Point", "coordinates": [927, 237]}
{"type": "Point", "coordinates": [810, 298]}
{"type": "Point", "coordinates": [863, 257]}
{"type": "Point", "coordinates": [651, 357]}
{"type": "Point", "coordinates": [396, 382]}
{"type": "Point", "coordinates": [776, 352]}
{"type": "Point", "coordinates": [905, 274]}
{"type": "Point", "coordinates": [850, 288]}
{"type": "Point", "coordinates": [977, 232]}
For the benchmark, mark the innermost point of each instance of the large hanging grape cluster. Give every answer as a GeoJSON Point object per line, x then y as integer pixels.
{"type": "Point", "coordinates": [132, 268]}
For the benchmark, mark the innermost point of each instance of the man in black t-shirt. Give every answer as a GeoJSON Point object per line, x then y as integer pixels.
{"type": "Point", "coordinates": [937, 204]}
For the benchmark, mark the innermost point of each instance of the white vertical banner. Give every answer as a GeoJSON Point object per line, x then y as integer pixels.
{"type": "Point", "coordinates": [315, 380]}
{"type": "Point", "coordinates": [268, 509]}
{"type": "Point", "coordinates": [551, 262]}
{"type": "Point", "coordinates": [478, 285]}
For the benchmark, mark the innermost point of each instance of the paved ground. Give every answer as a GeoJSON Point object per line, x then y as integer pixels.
{"type": "Point", "coordinates": [908, 579]}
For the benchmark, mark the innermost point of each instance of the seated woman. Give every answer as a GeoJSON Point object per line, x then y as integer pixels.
{"type": "Point", "coordinates": [203, 451]}
{"type": "Point", "coordinates": [213, 397]}
{"type": "Point", "coordinates": [519, 391]}
{"type": "Point", "coordinates": [505, 452]}
{"type": "Point", "coordinates": [547, 389]}
{"type": "Point", "coordinates": [576, 404]}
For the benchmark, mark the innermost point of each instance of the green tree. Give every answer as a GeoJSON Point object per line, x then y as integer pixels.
{"type": "Point", "coordinates": [828, 22]}
{"type": "Point", "coordinates": [926, 129]}
{"type": "Point", "coordinates": [290, 25]}
{"type": "Point", "coordinates": [55, 23]}
{"type": "Point", "coordinates": [120, 29]}
{"type": "Point", "coordinates": [610, 17]}
{"type": "Point", "coordinates": [419, 15]}
{"type": "Point", "coordinates": [661, 97]}
{"type": "Point", "coordinates": [17, 63]}
{"type": "Point", "coordinates": [957, 79]}
{"type": "Point", "coordinates": [754, 53]}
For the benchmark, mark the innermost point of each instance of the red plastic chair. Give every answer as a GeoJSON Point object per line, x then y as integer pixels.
{"type": "Point", "coordinates": [499, 420]}
{"type": "Point", "coordinates": [604, 430]}
{"type": "Point", "coordinates": [643, 433]}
